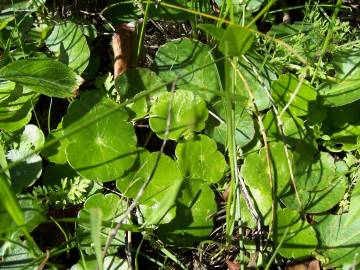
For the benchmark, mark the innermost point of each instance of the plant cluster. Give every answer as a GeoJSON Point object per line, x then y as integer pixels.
{"type": "Point", "coordinates": [263, 127]}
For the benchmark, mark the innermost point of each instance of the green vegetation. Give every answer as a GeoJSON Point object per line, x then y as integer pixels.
{"type": "Point", "coordinates": [231, 137]}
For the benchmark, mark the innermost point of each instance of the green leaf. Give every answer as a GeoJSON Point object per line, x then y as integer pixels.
{"type": "Point", "coordinates": [121, 12]}
{"type": "Point", "coordinates": [106, 147]}
{"type": "Point", "coordinates": [69, 45]}
{"type": "Point", "coordinates": [299, 238]}
{"type": "Point", "coordinates": [236, 41]}
{"type": "Point", "coordinates": [177, 58]}
{"type": "Point", "coordinates": [255, 174]}
{"type": "Point", "coordinates": [244, 124]}
{"type": "Point", "coordinates": [199, 159]}
{"type": "Point", "coordinates": [45, 76]}
{"type": "Point", "coordinates": [165, 175]}
{"type": "Point", "coordinates": [293, 127]}
{"type": "Point", "coordinates": [163, 211]}
{"type": "Point", "coordinates": [56, 152]}
{"type": "Point", "coordinates": [340, 237]}
{"type": "Point", "coordinates": [194, 209]}
{"type": "Point", "coordinates": [175, 14]}
{"type": "Point", "coordinates": [344, 92]}
{"type": "Point", "coordinates": [212, 30]}
{"type": "Point", "coordinates": [255, 168]}
{"type": "Point", "coordinates": [112, 208]}
{"type": "Point", "coordinates": [188, 114]}
{"type": "Point", "coordinates": [133, 82]}
{"type": "Point", "coordinates": [29, 168]}
{"type": "Point", "coordinates": [315, 173]}
{"type": "Point", "coordinates": [288, 88]}
{"type": "Point", "coordinates": [257, 79]}
{"type": "Point", "coordinates": [16, 256]}
{"type": "Point", "coordinates": [317, 201]}
{"type": "Point", "coordinates": [16, 103]}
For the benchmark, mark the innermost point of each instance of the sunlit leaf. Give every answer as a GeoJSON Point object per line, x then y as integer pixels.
{"type": "Point", "coordinates": [104, 148]}
{"type": "Point", "coordinates": [199, 159]}
{"type": "Point", "coordinates": [188, 114]}
{"type": "Point", "coordinates": [45, 76]}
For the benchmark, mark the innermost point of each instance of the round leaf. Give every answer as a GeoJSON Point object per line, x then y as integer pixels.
{"type": "Point", "coordinates": [188, 114]}
{"type": "Point", "coordinates": [244, 124]}
{"type": "Point", "coordinates": [317, 201]}
{"type": "Point", "coordinates": [286, 87]}
{"type": "Point", "coordinates": [165, 175]}
{"type": "Point", "coordinates": [134, 81]}
{"type": "Point", "coordinates": [199, 159]}
{"type": "Point", "coordinates": [106, 147]}
{"type": "Point", "coordinates": [315, 174]}
{"type": "Point", "coordinates": [56, 152]}
{"type": "Point", "coordinates": [299, 238]}
{"type": "Point", "coordinates": [194, 210]}
{"type": "Point", "coordinates": [184, 56]}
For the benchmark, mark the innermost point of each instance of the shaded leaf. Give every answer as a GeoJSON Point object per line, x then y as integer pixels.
{"type": "Point", "coordinates": [288, 88]}
{"type": "Point", "coordinates": [133, 82]}
{"type": "Point", "coordinates": [194, 209]}
{"type": "Point", "coordinates": [317, 201]}
{"type": "Point", "coordinates": [29, 166]}
{"type": "Point", "coordinates": [16, 103]}
{"type": "Point", "coordinates": [69, 45]}
{"type": "Point", "coordinates": [299, 238]}
{"type": "Point", "coordinates": [236, 41]}
{"type": "Point", "coordinates": [184, 56]}
{"type": "Point", "coordinates": [244, 124]}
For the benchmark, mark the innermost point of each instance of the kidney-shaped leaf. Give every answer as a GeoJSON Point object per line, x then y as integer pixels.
{"type": "Point", "coordinates": [45, 76]}
{"type": "Point", "coordinates": [188, 114]}
{"type": "Point", "coordinates": [199, 159]}
{"type": "Point", "coordinates": [255, 168]}
{"type": "Point", "coordinates": [317, 201]}
{"type": "Point", "coordinates": [166, 173]}
{"type": "Point", "coordinates": [244, 124]}
{"type": "Point", "coordinates": [134, 81]}
{"type": "Point", "coordinates": [194, 209]}
{"type": "Point", "coordinates": [102, 144]}
{"type": "Point", "coordinates": [340, 238]}
{"type": "Point", "coordinates": [180, 57]}
{"type": "Point", "coordinates": [288, 89]}
{"type": "Point", "coordinates": [315, 174]}
{"type": "Point", "coordinates": [297, 236]}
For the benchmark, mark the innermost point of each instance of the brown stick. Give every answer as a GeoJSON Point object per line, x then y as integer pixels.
{"type": "Point", "coordinates": [123, 45]}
